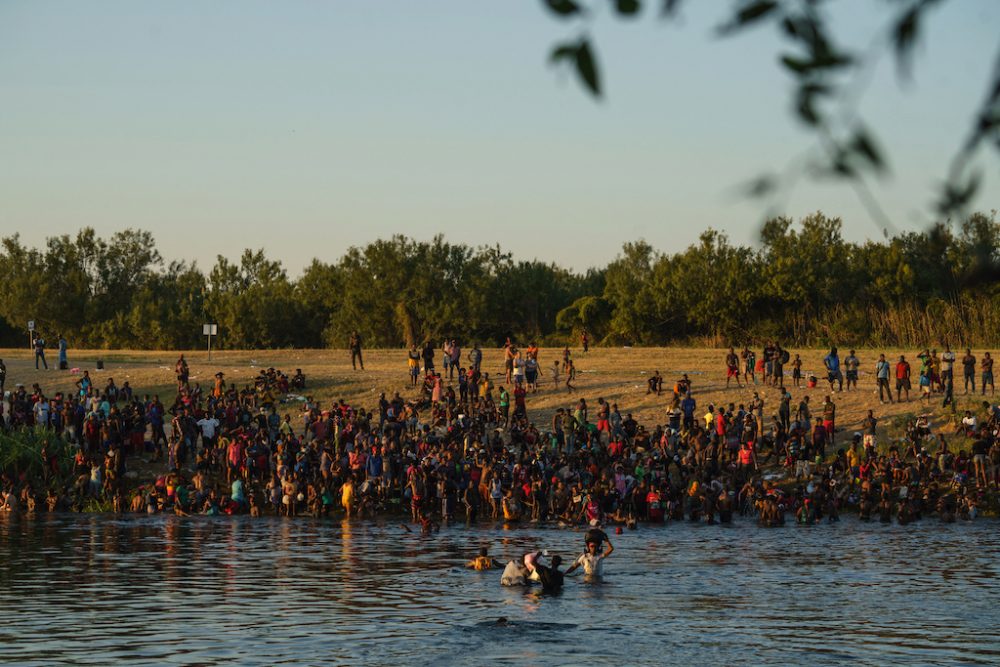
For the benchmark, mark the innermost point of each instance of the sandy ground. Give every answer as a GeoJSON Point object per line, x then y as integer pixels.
{"type": "Point", "coordinates": [616, 374]}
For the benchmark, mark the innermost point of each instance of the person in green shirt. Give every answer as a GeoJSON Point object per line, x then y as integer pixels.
{"type": "Point", "coordinates": [504, 402]}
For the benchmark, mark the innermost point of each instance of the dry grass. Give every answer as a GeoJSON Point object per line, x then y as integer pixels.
{"type": "Point", "coordinates": [617, 374]}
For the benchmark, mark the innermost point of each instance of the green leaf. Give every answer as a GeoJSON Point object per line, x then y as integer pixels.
{"type": "Point", "coordinates": [670, 7]}
{"type": "Point", "coordinates": [806, 110]}
{"type": "Point", "coordinates": [563, 52]}
{"type": "Point", "coordinates": [749, 13]}
{"type": "Point", "coordinates": [586, 67]}
{"type": "Point", "coordinates": [761, 186]}
{"type": "Point", "coordinates": [564, 8]}
{"type": "Point", "coordinates": [797, 65]}
{"type": "Point", "coordinates": [865, 146]}
{"type": "Point", "coordinates": [628, 7]}
{"type": "Point", "coordinates": [904, 37]}
{"type": "Point", "coordinates": [957, 196]}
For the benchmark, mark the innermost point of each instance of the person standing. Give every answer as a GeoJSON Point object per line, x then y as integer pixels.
{"type": "Point", "coordinates": [969, 370]}
{"type": "Point", "coordinates": [833, 374]}
{"type": "Point", "coordinates": [749, 365]}
{"type": "Point", "coordinates": [829, 419]}
{"type": "Point", "coordinates": [592, 561]}
{"type": "Point", "coordinates": [446, 356]}
{"type": "Point", "coordinates": [355, 344]}
{"type": "Point", "coordinates": [785, 408]}
{"type": "Point", "coordinates": [902, 378]}
{"type": "Point", "coordinates": [851, 364]}
{"type": "Point", "coordinates": [509, 352]}
{"type": "Point", "coordinates": [181, 372]}
{"type": "Point", "coordinates": [986, 366]}
{"type": "Point", "coordinates": [585, 340]}
{"type": "Point", "coordinates": [870, 430]}
{"type": "Point", "coordinates": [882, 377]}
{"type": "Point", "coordinates": [475, 357]}
{"type": "Point", "coordinates": [570, 376]}
{"type": "Point", "coordinates": [804, 415]}
{"type": "Point", "coordinates": [413, 362]}
{"type": "Point", "coordinates": [456, 358]}
{"type": "Point", "coordinates": [732, 368]}
{"type": "Point", "coordinates": [63, 360]}
{"type": "Point", "coordinates": [757, 410]}
{"type": "Point", "coordinates": [3, 376]}
{"type": "Point", "coordinates": [40, 352]}
{"type": "Point", "coordinates": [947, 365]}
{"type": "Point", "coordinates": [428, 356]}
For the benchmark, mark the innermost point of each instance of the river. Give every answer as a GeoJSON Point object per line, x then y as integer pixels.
{"type": "Point", "coordinates": [100, 590]}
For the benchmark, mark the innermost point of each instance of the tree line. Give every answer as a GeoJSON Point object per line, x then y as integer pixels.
{"type": "Point", "coordinates": [804, 284]}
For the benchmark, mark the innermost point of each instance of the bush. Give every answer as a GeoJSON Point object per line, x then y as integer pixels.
{"type": "Point", "coordinates": [21, 452]}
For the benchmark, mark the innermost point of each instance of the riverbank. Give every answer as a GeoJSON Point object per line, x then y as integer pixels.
{"type": "Point", "coordinates": [618, 375]}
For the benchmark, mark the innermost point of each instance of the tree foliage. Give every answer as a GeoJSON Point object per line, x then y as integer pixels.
{"type": "Point", "coordinates": [803, 284]}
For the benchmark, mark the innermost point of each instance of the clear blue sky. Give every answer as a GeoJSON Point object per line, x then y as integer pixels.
{"type": "Point", "coordinates": [308, 127]}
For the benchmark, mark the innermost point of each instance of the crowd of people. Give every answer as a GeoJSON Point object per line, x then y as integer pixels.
{"type": "Point", "coordinates": [462, 447]}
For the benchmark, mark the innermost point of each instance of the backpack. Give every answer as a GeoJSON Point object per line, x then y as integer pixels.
{"type": "Point", "coordinates": [785, 356]}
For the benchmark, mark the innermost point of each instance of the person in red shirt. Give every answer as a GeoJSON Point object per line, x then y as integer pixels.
{"type": "Point", "coordinates": [902, 378]}
{"type": "Point", "coordinates": [654, 506]}
{"type": "Point", "coordinates": [520, 408]}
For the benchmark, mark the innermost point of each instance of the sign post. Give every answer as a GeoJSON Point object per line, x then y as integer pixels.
{"type": "Point", "coordinates": [31, 334]}
{"type": "Point", "coordinates": [210, 330]}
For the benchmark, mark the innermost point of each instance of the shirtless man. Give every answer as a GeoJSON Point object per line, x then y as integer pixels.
{"type": "Point", "coordinates": [732, 368]}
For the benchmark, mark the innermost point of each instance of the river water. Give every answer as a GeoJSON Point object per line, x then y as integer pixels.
{"type": "Point", "coordinates": [99, 590]}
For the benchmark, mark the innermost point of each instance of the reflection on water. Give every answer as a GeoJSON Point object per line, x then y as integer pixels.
{"type": "Point", "coordinates": [99, 590]}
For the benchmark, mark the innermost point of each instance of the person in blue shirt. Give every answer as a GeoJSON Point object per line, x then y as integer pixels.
{"type": "Point", "coordinates": [833, 373]}
{"type": "Point", "coordinates": [63, 345]}
{"type": "Point", "coordinates": [373, 467]}
{"type": "Point", "coordinates": [882, 370]}
{"type": "Point", "coordinates": [238, 493]}
{"type": "Point", "coordinates": [688, 406]}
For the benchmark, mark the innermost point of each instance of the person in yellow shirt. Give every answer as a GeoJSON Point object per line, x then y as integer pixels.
{"type": "Point", "coordinates": [347, 495]}
{"type": "Point", "coordinates": [485, 386]}
{"type": "Point", "coordinates": [483, 561]}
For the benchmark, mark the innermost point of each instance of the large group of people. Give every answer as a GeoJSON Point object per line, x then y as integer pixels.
{"type": "Point", "coordinates": [461, 447]}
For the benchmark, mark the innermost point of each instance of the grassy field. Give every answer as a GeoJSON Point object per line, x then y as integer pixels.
{"type": "Point", "coordinates": [617, 374]}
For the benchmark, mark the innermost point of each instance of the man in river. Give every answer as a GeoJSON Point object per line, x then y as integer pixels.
{"type": "Point", "coordinates": [592, 561]}
{"type": "Point", "coordinates": [483, 561]}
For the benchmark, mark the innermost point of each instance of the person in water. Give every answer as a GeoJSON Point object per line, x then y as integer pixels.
{"type": "Point", "coordinates": [598, 537]}
{"type": "Point", "coordinates": [483, 561]}
{"type": "Point", "coordinates": [550, 576]}
{"type": "Point", "coordinates": [592, 560]}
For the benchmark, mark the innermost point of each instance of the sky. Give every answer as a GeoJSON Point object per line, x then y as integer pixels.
{"type": "Point", "coordinates": [305, 128]}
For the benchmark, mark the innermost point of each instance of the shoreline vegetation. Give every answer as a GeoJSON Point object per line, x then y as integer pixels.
{"type": "Point", "coordinates": [803, 284]}
{"type": "Point", "coordinates": [618, 449]}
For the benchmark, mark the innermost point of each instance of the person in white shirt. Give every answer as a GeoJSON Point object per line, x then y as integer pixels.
{"type": "Point", "coordinates": [208, 426]}
{"type": "Point", "coordinates": [592, 561]}
{"type": "Point", "coordinates": [947, 365]}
